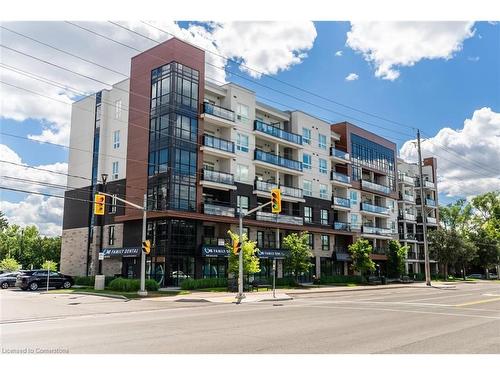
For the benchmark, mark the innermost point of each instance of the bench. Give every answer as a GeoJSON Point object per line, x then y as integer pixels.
{"type": "Point", "coordinates": [256, 284]}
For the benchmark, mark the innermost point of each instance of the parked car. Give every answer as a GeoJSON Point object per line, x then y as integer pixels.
{"type": "Point", "coordinates": [8, 279]}
{"type": "Point", "coordinates": [35, 279]}
{"type": "Point", "coordinates": [476, 276]}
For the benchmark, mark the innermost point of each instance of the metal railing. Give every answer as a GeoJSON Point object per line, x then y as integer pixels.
{"type": "Point", "coordinates": [375, 230]}
{"type": "Point", "coordinates": [277, 160]}
{"type": "Point", "coordinates": [341, 249]}
{"type": "Point", "coordinates": [218, 209]}
{"type": "Point", "coordinates": [217, 111]}
{"type": "Point", "coordinates": [218, 143]}
{"type": "Point", "coordinates": [340, 177]}
{"type": "Point", "coordinates": [407, 236]}
{"type": "Point", "coordinates": [339, 225]}
{"type": "Point", "coordinates": [279, 218]}
{"type": "Point", "coordinates": [411, 255]}
{"type": "Point", "coordinates": [277, 132]}
{"type": "Point", "coordinates": [430, 202]}
{"type": "Point", "coordinates": [342, 202]}
{"type": "Point", "coordinates": [219, 177]}
{"type": "Point", "coordinates": [365, 184]}
{"type": "Point", "coordinates": [406, 178]}
{"type": "Point", "coordinates": [375, 209]}
{"type": "Point", "coordinates": [380, 250]}
{"type": "Point", "coordinates": [285, 190]}
{"type": "Point", "coordinates": [339, 153]}
{"type": "Point", "coordinates": [431, 220]}
{"type": "Point", "coordinates": [406, 197]}
{"type": "Point", "coordinates": [407, 216]}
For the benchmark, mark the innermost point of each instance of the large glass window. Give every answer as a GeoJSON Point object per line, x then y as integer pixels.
{"type": "Point", "coordinates": [308, 214]}
{"type": "Point", "coordinates": [325, 242]}
{"type": "Point", "coordinates": [323, 166]}
{"type": "Point", "coordinates": [242, 142]}
{"type": "Point", "coordinates": [323, 191]}
{"type": "Point", "coordinates": [306, 135]}
{"type": "Point", "coordinates": [307, 188]}
{"type": "Point", "coordinates": [242, 112]}
{"type": "Point", "coordinates": [322, 141]}
{"type": "Point", "coordinates": [116, 139]}
{"type": "Point", "coordinates": [306, 161]}
{"type": "Point", "coordinates": [324, 217]}
{"type": "Point", "coordinates": [241, 173]}
{"type": "Point", "coordinates": [354, 198]}
{"type": "Point", "coordinates": [111, 235]}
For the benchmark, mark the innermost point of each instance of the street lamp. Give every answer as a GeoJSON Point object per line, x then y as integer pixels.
{"type": "Point", "coordinates": [104, 178]}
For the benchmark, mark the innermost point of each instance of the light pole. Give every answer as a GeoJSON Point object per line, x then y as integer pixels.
{"type": "Point", "coordinates": [104, 178]}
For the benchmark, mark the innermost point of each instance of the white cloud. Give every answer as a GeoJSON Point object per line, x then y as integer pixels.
{"type": "Point", "coordinates": [473, 58]}
{"type": "Point", "coordinates": [352, 77]}
{"type": "Point", "coordinates": [339, 53]}
{"type": "Point", "coordinates": [389, 45]}
{"type": "Point", "coordinates": [478, 143]}
{"type": "Point", "coordinates": [268, 47]}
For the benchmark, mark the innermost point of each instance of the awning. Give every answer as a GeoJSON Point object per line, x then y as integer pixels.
{"type": "Point", "coordinates": [126, 252]}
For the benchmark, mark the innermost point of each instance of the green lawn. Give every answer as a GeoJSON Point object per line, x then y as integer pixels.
{"type": "Point", "coordinates": [129, 295]}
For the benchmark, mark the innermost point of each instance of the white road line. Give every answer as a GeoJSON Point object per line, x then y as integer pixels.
{"type": "Point", "coordinates": [446, 296]}
{"type": "Point", "coordinates": [379, 302]}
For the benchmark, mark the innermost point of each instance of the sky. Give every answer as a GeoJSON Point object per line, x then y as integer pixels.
{"type": "Point", "coordinates": [387, 77]}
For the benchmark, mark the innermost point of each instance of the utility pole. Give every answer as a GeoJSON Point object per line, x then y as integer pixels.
{"type": "Point", "coordinates": [104, 178]}
{"type": "Point", "coordinates": [424, 213]}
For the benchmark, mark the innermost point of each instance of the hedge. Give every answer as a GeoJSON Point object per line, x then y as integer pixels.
{"type": "Point", "coordinates": [131, 285]}
{"type": "Point", "coordinates": [190, 284]}
{"type": "Point", "coordinates": [339, 279]}
{"type": "Point", "coordinates": [90, 280]}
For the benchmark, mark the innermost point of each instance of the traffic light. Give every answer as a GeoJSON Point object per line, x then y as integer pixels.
{"type": "Point", "coordinates": [275, 201]}
{"type": "Point", "coordinates": [146, 246]}
{"type": "Point", "coordinates": [236, 246]}
{"type": "Point", "coordinates": [99, 203]}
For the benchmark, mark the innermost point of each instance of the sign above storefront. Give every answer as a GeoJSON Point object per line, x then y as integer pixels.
{"type": "Point", "coordinates": [222, 251]}
{"type": "Point", "coordinates": [126, 252]}
{"type": "Point", "coordinates": [272, 253]}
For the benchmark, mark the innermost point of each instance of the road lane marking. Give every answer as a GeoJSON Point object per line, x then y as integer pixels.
{"type": "Point", "coordinates": [478, 302]}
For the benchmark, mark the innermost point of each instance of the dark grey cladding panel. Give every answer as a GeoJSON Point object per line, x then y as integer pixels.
{"type": "Point", "coordinates": [245, 190]}
{"type": "Point", "coordinates": [116, 187]}
{"type": "Point", "coordinates": [317, 205]}
{"type": "Point", "coordinates": [132, 233]}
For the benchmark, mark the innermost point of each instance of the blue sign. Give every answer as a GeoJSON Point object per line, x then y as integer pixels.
{"type": "Point", "coordinates": [222, 251]}
{"type": "Point", "coordinates": [127, 252]}
{"type": "Point", "coordinates": [272, 253]}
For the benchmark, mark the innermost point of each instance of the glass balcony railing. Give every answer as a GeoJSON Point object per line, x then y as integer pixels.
{"type": "Point", "coordinates": [285, 190]}
{"type": "Point", "coordinates": [406, 197]}
{"type": "Point", "coordinates": [365, 184]}
{"type": "Point", "coordinates": [375, 209]}
{"type": "Point", "coordinates": [277, 132]}
{"type": "Point", "coordinates": [218, 209]}
{"type": "Point", "coordinates": [218, 143]}
{"type": "Point", "coordinates": [431, 220]}
{"type": "Point", "coordinates": [219, 177]}
{"type": "Point", "coordinates": [368, 229]}
{"type": "Point", "coordinates": [341, 249]}
{"type": "Point", "coordinates": [277, 160]}
{"type": "Point", "coordinates": [380, 250]}
{"type": "Point", "coordinates": [339, 225]}
{"type": "Point", "coordinates": [427, 184]}
{"type": "Point", "coordinates": [407, 216]}
{"type": "Point", "coordinates": [339, 153]}
{"type": "Point", "coordinates": [215, 110]}
{"type": "Point", "coordinates": [407, 236]}
{"type": "Point", "coordinates": [342, 202]}
{"type": "Point", "coordinates": [340, 177]}
{"type": "Point", "coordinates": [430, 202]}
{"type": "Point", "coordinates": [407, 179]}
{"type": "Point", "coordinates": [279, 218]}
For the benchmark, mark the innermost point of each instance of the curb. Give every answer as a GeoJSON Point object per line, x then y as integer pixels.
{"type": "Point", "coordinates": [115, 296]}
{"type": "Point", "coordinates": [353, 289]}
{"type": "Point", "coordinates": [192, 300]}
{"type": "Point", "coordinates": [275, 299]}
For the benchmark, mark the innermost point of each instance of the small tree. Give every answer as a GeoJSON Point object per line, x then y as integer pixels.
{"type": "Point", "coordinates": [396, 259]}
{"type": "Point", "coordinates": [250, 259]}
{"type": "Point", "coordinates": [299, 256]}
{"type": "Point", "coordinates": [465, 254]}
{"type": "Point", "coordinates": [49, 265]}
{"type": "Point", "coordinates": [9, 264]}
{"type": "Point", "coordinates": [443, 245]}
{"type": "Point", "coordinates": [360, 253]}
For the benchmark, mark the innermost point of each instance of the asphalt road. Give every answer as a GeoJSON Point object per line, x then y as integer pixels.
{"type": "Point", "coordinates": [463, 318]}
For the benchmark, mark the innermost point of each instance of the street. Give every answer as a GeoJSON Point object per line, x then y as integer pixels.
{"type": "Point", "coordinates": [451, 318]}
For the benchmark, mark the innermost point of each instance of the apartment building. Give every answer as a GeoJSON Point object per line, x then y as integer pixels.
{"type": "Point", "coordinates": [198, 151]}
{"type": "Point", "coordinates": [412, 213]}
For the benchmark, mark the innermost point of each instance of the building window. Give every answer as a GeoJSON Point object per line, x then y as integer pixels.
{"type": "Point", "coordinates": [308, 188]}
{"type": "Point", "coordinates": [322, 141]}
{"type": "Point", "coordinates": [310, 240]}
{"type": "Point", "coordinates": [241, 173]}
{"type": "Point", "coordinates": [118, 109]}
{"type": "Point", "coordinates": [306, 135]}
{"type": "Point", "coordinates": [354, 221]}
{"type": "Point", "coordinates": [323, 191]}
{"type": "Point", "coordinates": [244, 203]}
{"type": "Point", "coordinates": [354, 198]}
{"type": "Point", "coordinates": [116, 139]}
{"type": "Point", "coordinates": [114, 170]}
{"type": "Point", "coordinates": [111, 235]}
{"type": "Point", "coordinates": [112, 207]}
{"type": "Point", "coordinates": [324, 217]}
{"type": "Point", "coordinates": [242, 112]}
{"type": "Point", "coordinates": [323, 166]}
{"type": "Point", "coordinates": [242, 142]}
{"type": "Point", "coordinates": [306, 161]}
{"type": "Point", "coordinates": [325, 242]}
{"type": "Point", "coordinates": [308, 214]}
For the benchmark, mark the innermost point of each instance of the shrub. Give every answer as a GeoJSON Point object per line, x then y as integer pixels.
{"type": "Point", "coordinates": [90, 280]}
{"type": "Point", "coordinates": [190, 284]}
{"type": "Point", "coordinates": [131, 285]}
{"type": "Point", "coordinates": [340, 279]}
{"type": "Point", "coordinates": [9, 264]}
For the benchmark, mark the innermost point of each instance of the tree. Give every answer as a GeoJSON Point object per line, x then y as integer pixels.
{"type": "Point", "coordinates": [49, 265]}
{"type": "Point", "coordinates": [445, 246]}
{"type": "Point", "coordinates": [488, 249]}
{"type": "Point", "coordinates": [465, 254]}
{"type": "Point", "coordinates": [250, 259]}
{"type": "Point", "coordinates": [487, 207]}
{"type": "Point", "coordinates": [396, 258]}
{"type": "Point", "coordinates": [4, 223]}
{"type": "Point", "coordinates": [9, 264]}
{"type": "Point", "coordinates": [299, 255]}
{"type": "Point", "coordinates": [360, 253]}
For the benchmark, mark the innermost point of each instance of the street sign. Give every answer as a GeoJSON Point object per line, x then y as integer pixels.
{"type": "Point", "coordinates": [101, 256]}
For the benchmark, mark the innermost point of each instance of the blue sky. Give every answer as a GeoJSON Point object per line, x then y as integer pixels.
{"type": "Point", "coordinates": [428, 75]}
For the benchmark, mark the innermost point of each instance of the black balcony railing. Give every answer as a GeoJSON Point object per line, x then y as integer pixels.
{"type": "Point", "coordinates": [407, 236]}
{"type": "Point", "coordinates": [380, 250]}
{"type": "Point", "coordinates": [218, 209]}
{"type": "Point", "coordinates": [215, 110]}
{"type": "Point", "coordinates": [219, 177]}
{"type": "Point", "coordinates": [277, 132]}
{"type": "Point", "coordinates": [218, 143]}
{"type": "Point", "coordinates": [339, 225]}
{"type": "Point", "coordinates": [277, 160]}
{"type": "Point", "coordinates": [341, 202]}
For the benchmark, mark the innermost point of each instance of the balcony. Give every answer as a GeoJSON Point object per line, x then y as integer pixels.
{"type": "Point", "coordinates": [406, 179]}
{"type": "Point", "coordinates": [365, 184]}
{"type": "Point", "coordinates": [286, 191]}
{"type": "Point", "coordinates": [429, 220]}
{"type": "Point", "coordinates": [427, 184]}
{"type": "Point", "coordinates": [221, 116]}
{"type": "Point", "coordinates": [279, 218]}
{"type": "Point", "coordinates": [339, 202]}
{"type": "Point", "coordinates": [340, 178]}
{"type": "Point", "coordinates": [217, 146]}
{"type": "Point", "coordinates": [411, 255]}
{"type": "Point", "coordinates": [276, 132]}
{"type": "Point", "coordinates": [407, 216]}
{"type": "Point", "coordinates": [406, 197]}
{"type": "Point", "coordinates": [218, 180]}
{"type": "Point", "coordinates": [368, 207]}
{"type": "Point", "coordinates": [218, 209]}
{"type": "Point", "coordinates": [339, 155]}
{"type": "Point", "coordinates": [368, 229]}
{"type": "Point", "coordinates": [407, 237]}
{"type": "Point", "coordinates": [279, 161]}
{"type": "Point", "coordinates": [428, 202]}
{"type": "Point", "coordinates": [380, 250]}
{"type": "Point", "coordinates": [339, 225]}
